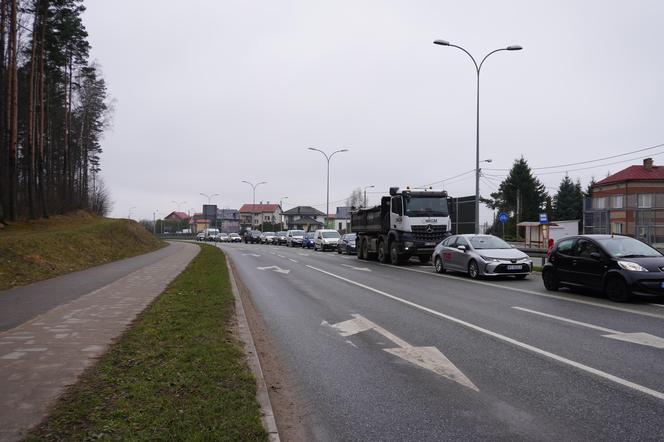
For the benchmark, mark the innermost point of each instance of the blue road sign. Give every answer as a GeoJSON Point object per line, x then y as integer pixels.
{"type": "Point", "coordinates": [502, 217]}
{"type": "Point", "coordinates": [544, 219]}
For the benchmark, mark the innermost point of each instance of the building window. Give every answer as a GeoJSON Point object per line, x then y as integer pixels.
{"type": "Point", "coordinates": [599, 203]}
{"type": "Point", "coordinates": [616, 228]}
{"type": "Point", "coordinates": [617, 202]}
{"type": "Point", "coordinates": [644, 200]}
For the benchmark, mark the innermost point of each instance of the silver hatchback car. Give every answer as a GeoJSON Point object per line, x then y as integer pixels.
{"type": "Point", "coordinates": [481, 255]}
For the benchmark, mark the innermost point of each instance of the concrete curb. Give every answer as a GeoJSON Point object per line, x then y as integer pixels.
{"type": "Point", "coordinates": [262, 396]}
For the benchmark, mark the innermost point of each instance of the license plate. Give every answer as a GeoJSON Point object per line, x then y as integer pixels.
{"type": "Point", "coordinates": [514, 267]}
{"type": "Point", "coordinates": [429, 243]}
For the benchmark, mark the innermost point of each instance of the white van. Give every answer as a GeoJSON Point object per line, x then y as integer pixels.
{"type": "Point", "coordinates": [210, 234]}
{"type": "Point", "coordinates": [325, 239]}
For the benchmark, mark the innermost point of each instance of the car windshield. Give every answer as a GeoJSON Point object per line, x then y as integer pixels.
{"type": "Point", "coordinates": [297, 232]}
{"type": "Point", "coordinates": [269, 233]}
{"type": "Point", "coordinates": [426, 206]}
{"type": "Point", "coordinates": [308, 235]}
{"type": "Point", "coordinates": [330, 234]}
{"type": "Point", "coordinates": [626, 247]}
{"type": "Point", "coordinates": [281, 233]}
{"type": "Point", "coordinates": [488, 242]}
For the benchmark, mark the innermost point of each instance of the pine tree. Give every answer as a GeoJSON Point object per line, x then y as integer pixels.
{"type": "Point", "coordinates": [568, 201]}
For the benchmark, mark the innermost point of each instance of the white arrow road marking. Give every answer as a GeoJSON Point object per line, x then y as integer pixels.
{"type": "Point", "coordinates": [251, 254]}
{"type": "Point", "coordinates": [276, 269]}
{"type": "Point", "coordinates": [618, 380]}
{"type": "Point", "coordinates": [429, 358]}
{"type": "Point", "coordinates": [635, 338]}
{"type": "Point", "coordinates": [363, 269]}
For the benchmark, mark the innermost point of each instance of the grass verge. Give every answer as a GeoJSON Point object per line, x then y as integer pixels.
{"type": "Point", "coordinates": [37, 250]}
{"type": "Point", "coordinates": [178, 374]}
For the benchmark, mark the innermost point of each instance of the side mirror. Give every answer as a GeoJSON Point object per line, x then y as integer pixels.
{"type": "Point", "coordinates": [595, 255]}
{"type": "Point", "coordinates": [462, 248]}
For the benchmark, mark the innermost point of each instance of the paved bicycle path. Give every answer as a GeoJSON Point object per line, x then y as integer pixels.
{"type": "Point", "coordinates": [40, 357]}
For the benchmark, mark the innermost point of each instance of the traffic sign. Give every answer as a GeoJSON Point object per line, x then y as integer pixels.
{"type": "Point", "coordinates": [503, 217]}
{"type": "Point", "coordinates": [543, 218]}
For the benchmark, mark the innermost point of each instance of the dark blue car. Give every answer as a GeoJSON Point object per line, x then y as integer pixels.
{"type": "Point", "coordinates": [308, 240]}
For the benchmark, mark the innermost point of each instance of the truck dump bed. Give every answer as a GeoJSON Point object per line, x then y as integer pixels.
{"type": "Point", "coordinates": [372, 220]}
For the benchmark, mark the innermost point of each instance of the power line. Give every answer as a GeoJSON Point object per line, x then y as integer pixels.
{"type": "Point", "coordinates": [590, 161]}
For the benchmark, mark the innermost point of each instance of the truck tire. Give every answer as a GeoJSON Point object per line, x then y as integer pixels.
{"type": "Point", "coordinates": [395, 259]}
{"type": "Point", "coordinates": [360, 249]}
{"type": "Point", "coordinates": [383, 254]}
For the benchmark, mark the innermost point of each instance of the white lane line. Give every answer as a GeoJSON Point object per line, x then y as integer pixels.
{"type": "Point", "coordinates": [530, 292]}
{"type": "Point", "coordinates": [635, 338]}
{"type": "Point", "coordinates": [362, 269]}
{"type": "Point", "coordinates": [281, 256]}
{"type": "Point", "coordinates": [658, 305]}
{"type": "Point", "coordinates": [571, 321]}
{"type": "Point", "coordinates": [291, 259]}
{"type": "Point", "coordinates": [555, 357]}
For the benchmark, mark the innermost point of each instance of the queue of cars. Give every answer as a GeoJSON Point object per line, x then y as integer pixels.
{"type": "Point", "coordinates": [618, 266]}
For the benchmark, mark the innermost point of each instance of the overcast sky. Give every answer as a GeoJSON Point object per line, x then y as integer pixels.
{"type": "Point", "coordinates": [212, 92]}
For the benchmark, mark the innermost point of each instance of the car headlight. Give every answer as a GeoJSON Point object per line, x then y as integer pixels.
{"type": "Point", "coordinates": [631, 266]}
{"type": "Point", "coordinates": [409, 244]}
{"type": "Point", "coordinates": [488, 259]}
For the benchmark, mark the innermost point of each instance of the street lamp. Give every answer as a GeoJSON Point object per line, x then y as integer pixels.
{"type": "Point", "coordinates": [178, 203]}
{"type": "Point", "coordinates": [478, 68]}
{"type": "Point", "coordinates": [365, 194]}
{"type": "Point", "coordinates": [328, 158]}
{"type": "Point", "coordinates": [209, 197]}
{"type": "Point", "coordinates": [281, 207]}
{"type": "Point", "coordinates": [129, 214]}
{"type": "Point", "coordinates": [253, 186]}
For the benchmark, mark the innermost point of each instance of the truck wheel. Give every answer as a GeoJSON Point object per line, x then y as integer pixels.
{"type": "Point", "coordinates": [395, 259]}
{"type": "Point", "coordinates": [382, 252]}
{"type": "Point", "coordinates": [360, 250]}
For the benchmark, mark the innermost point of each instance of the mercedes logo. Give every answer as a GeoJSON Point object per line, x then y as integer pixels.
{"type": "Point", "coordinates": [429, 228]}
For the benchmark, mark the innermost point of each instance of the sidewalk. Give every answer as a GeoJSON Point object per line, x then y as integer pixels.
{"type": "Point", "coordinates": [39, 358]}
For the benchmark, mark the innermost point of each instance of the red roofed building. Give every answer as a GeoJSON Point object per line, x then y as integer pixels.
{"type": "Point", "coordinates": [177, 216]}
{"type": "Point", "coordinates": [630, 202]}
{"type": "Point", "coordinates": [255, 215]}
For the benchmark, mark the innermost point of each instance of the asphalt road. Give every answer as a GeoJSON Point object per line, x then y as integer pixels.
{"type": "Point", "coordinates": [21, 304]}
{"type": "Point", "coordinates": [402, 353]}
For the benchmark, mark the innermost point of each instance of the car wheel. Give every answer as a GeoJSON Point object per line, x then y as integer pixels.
{"type": "Point", "coordinates": [550, 280]}
{"type": "Point", "coordinates": [395, 259]}
{"type": "Point", "coordinates": [473, 270]}
{"type": "Point", "coordinates": [520, 276]}
{"type": "Point", "coordinates": [438, 265]}
{"type": "Point", "coordinates": [616, 289]}
{"type": "Point", "coordinates": [339, 250]}
{"type": "Point", "coordinates": [382, 252]}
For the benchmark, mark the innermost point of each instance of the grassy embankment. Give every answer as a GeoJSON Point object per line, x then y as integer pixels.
{"type": "Point", "coordinates": [177, 374]}
{"type": "Point", "coordinates": [42, 249]}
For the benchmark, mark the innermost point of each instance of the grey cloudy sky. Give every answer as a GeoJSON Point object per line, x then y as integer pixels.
{"type": "Point", "coordinates": [210, 93]}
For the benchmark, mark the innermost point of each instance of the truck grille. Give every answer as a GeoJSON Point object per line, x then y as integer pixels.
{"type": "Point", "coordinates": [429, 233]}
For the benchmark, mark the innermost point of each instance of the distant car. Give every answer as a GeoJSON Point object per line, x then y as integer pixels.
{"type": "Point", "coordinates": [200, 236]}
{"type": "Point", "coordinates": [280, 238]}
{"type": "Point", "coordinates": [234, 237]}
{"type": "Point", "coordinates": [252, 237]}
{"type": "Point", "coordinates": [325, 239]}
{"type": "Point", "coordinates": [221, 237]}
{"type": "Point", "coordinates": [294, 238]}
{"type": "Point", "coordinates": [619, 266]}
{"type": "Point", "coordinates": [346, 243]}
{"type": "Point", "coordinates": [308, 240]}
{"type": "Point", "coordinates": [480, 255]}
{"type": "Point", "coordinates": [267, 237]}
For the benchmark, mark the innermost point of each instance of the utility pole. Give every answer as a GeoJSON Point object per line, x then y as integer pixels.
{"type": "Point", "coordinates": [518, 211]}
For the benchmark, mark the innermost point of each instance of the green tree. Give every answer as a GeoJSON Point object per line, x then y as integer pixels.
{"type": "Point", "coordinates": [568, 201]}
{"type": "Point", "coordinates": [520, 185]}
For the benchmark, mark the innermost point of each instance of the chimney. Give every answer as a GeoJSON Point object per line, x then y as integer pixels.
{"type": "Point", "coordinates": [647, 164]}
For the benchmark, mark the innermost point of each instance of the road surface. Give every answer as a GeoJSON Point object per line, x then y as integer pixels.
{"type": "Point", "coordinates": [402, 353]}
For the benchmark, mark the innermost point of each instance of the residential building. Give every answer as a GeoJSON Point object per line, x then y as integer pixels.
{"type": "Point", "coordinates": [228, 220]}
{"type": "Point", "coordinates": [304, 218]}
{"type": "Point", "coordinates": [256, 215]}
{"type": "Point", "coordinates": [342, 219]}
{"type": "Point", "coordinates": [630, 202]}
{"type": "Point", "coordinates": [198, 222]}
{"type": "Point", "coordinates": [177, 216]}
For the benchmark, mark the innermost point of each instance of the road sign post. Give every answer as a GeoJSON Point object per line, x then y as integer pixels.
{"type": "Point", "coordinates": [503, 217]}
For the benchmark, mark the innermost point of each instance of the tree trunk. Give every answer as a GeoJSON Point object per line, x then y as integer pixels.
{"type": "Point", "coordinates": [12, 112]}
{"type": "Point", "coordinates": [4, 156]}
{"type": "Point", "coordinates": [31, 122]}
{"type": "Point", "coordinates": [42, 112]}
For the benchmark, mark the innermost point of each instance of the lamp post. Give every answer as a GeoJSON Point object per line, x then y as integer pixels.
{"type": "Point", "coordinates": [178, 203]}
{"type": "Point", "coordinates": [328, 158]}
{"type": "Point", "coordinates": [129, 214]}
{"type": "Point", "coordinates": [209, 197]}
{"type": "Point", "coordinates": [365, 194]}
{"type": "Point", "coordinates": [478, 68]}
{"type": "Point", "coordinates": [253, 201]}
{"type": "Point", "coordinates": [281, 207]}
{"type": "Point", "coordinates": [154, 222]}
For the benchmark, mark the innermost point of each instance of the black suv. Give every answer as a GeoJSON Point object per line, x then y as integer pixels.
{"type": "Point", "coordinates": [252, 236]}
{"type": "Point", "coordinates": [619, 266]}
